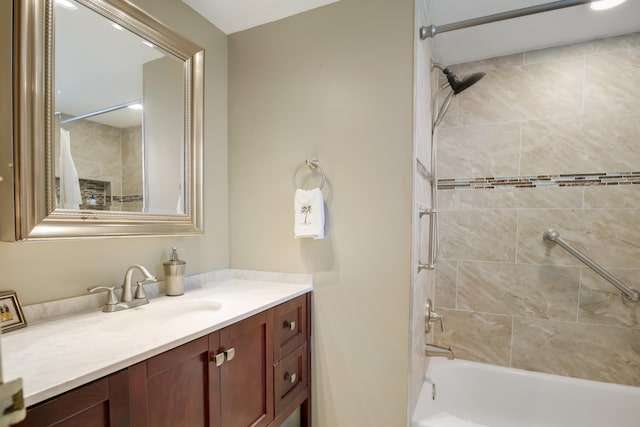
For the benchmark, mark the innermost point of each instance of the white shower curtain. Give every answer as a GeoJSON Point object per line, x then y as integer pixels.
{"type": "Point", "coordinates": [70, 196]}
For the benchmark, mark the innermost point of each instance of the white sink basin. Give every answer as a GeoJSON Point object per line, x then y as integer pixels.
{"type": "Point", "coordinates": [157, 313]}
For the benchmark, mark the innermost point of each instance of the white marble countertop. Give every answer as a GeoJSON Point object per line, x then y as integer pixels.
{"type": "Point", "coordinates": [58, 355]}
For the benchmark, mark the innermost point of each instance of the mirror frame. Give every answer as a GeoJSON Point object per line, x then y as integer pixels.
{"type": "Point", "coordinates": [36, 216]}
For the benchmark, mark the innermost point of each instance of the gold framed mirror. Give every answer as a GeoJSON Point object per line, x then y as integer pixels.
{"type": "Point", "coordinates": [70, 75]}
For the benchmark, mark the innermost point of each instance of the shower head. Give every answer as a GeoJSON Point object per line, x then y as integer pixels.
{"type": "Point", "coordinates": [456, 85]}
{"type": "Point", "coordinates": [459, 85]}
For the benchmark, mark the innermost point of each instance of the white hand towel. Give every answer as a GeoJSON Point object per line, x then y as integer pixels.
{"type": "Point", "coordinates": [309, 214]}
{"type": "Point", "coordinates": [70, 197]}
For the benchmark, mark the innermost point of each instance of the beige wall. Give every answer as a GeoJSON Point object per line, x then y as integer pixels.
{"type": "Point", "coordinates": [43, 271]}
{"type": "Point", "coordinates": [334, 83]}
{"type": "Point", "coordinates": [509, 298]}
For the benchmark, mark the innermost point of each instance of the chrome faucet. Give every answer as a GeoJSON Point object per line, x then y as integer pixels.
{"type": "Point", "coordinates": [127, 298]}
{"type": "Point", "coordinates": [433, 350]}
{"type": "Point", "coordinates": [127, 295]}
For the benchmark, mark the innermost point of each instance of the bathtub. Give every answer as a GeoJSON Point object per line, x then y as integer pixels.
{"type": "Point", "coordinates": [470, 394]}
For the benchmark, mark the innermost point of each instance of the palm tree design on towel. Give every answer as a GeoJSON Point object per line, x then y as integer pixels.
{"type": "Point", "coordinates": [306, 210]}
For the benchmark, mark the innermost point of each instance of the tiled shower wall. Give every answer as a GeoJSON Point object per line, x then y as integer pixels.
{"type": "Point", "coordinates": [508, 297]}
{"type": "Point", "coordinates": [106, 153]}
{"type": "Point", "coordinates": [422, 282]}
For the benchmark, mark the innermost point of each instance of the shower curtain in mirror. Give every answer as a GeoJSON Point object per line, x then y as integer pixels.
{"type": "Point", "coordinates": [70, 196]}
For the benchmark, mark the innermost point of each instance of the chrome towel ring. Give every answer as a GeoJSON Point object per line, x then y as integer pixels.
{"type": "Point", "coordinates": [312, 164]}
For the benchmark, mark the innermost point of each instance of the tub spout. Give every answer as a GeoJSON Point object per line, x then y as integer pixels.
{"type": "Point", "coordinates": [433, 350]}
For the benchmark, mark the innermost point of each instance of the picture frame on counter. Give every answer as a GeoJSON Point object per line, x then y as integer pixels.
{"type": "Point", "coordinates": [11, 315]}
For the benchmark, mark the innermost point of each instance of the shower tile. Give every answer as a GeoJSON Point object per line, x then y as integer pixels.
{"type": "Point", "coordinates": [445, 291]}
{"type": "Point", "coordinates": [422, 109]}
{"type": "Point", "coordinates": [608, 236]}
{"type": "Point", "coordinates": [448, 200]}
{"type": "Point", "coordinates": [423, 191]}
{"type": "Point", "coordinates": [575, 144]}
{"type": "Point", "coordinates": [487, 235]}
{"type": "Point", "coordinates": [625, 41]}
{"type": "Point", "coordinates": [559, 52]}
{"type": "Point", "coordinates": [618, 196]}
{"type": "Point", "coordinates": [491, 199]}
{"type": "Point", "coordinates": [532, 91]}
{"type": "Point", "coordinates": [601, 303]}
{"type": "Point", "coordinates": [556, 197]}
{"type": "Point", "coordinates": [537, 291]}
{"type": "Point", "coordinates": [476, 336]}
{"type": "Point", "coordinates": [486, 65]}
{"type": "Point", "coordinates": [599, 353]}
{"type": "Point", "coordinates": [598, 46]}
{"type": "Point", "coordinates": [612, 82]}
{"type": "Point", "coordinates": [418, 361]}
{"type": "Point", "coordinates": [488, 150]}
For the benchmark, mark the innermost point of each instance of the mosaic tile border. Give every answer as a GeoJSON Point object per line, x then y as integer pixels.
{"type": "Point", "coordinates": [537, 181]}
{"type": "Point", "coordinates": [127, 199]}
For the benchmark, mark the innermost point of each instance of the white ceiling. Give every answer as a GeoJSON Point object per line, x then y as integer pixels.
{"type": "Point", "coordinates": [232, 16]}
{"type": "Point", "coordinates": [573, 24]}
{"type": "Point", "coordinates": [559, 27]}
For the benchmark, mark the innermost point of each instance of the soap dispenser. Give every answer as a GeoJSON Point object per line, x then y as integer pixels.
{"type": "Point", "coordinates": [174, 275]}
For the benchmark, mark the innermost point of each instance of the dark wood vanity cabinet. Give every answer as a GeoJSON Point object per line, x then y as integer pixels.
{"type": "Point", "coordinates": [292, 360]}
{"type": "Point", "coordinates": [253, 373]}
{"type": "Point", "coordinates": [223, 379]}
{"type": "Point", "coordinates": [102, 403]}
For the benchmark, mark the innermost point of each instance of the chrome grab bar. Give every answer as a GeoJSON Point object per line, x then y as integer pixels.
{"type": "Point", "coordinates": [431, 256]}
{"type": "Point", "coordinates": [631, 294]}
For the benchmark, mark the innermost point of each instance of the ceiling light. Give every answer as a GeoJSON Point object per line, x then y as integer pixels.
{"type": "Point", "coordinates": [66, 4]}
{"type": "Point", "coordinates": [148, 43]}
{"type": "Point", "coordinates": [605, 4]}
{"type": "Point", "coordinates": [117, 26]}
{"type": "Point", "coordinates": [136, 106]}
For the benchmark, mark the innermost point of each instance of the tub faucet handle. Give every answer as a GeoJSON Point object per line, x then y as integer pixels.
{"type": "Point", "coordinates": [432, 317]}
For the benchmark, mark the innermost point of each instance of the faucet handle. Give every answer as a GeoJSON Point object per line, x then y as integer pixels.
{"type": "Point", "coordinates": [111, 296]}
{"type": "Point", "coordinates": [432, 317]}
{"type": "Point", "coordinates": [140, 293]}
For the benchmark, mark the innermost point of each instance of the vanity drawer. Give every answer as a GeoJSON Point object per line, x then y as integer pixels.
{"type": "Point", "coordinates": [291, 378]}
{"type": "Point", "coordinates": [290, 326]}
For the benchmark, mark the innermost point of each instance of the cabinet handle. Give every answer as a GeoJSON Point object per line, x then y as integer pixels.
{"type": "Point", "coordinates": [230, 354]}
{"type": "Point", "coordinates": [289, 325]}
{"type": "Point", "coordinates": [218, 358]}
{"type": "Point", "coordinates": [292, 378]}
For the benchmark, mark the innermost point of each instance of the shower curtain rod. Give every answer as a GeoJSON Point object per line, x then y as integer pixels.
{"type": "Point", "coordinates": [97, 113]}
{"type": "Point", "coordinates": [432, 30]}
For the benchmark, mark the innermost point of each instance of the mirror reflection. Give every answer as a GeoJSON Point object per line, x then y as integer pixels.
{"type": "Point", "coordinates": [119, 125]}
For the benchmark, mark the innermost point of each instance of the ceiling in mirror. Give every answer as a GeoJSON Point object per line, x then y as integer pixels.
{"type": "Point", "coordinates": [89, 50]}
{"type": "Point", "coordinates": [569, 25]}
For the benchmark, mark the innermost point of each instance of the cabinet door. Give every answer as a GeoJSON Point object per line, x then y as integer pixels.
{"type": "Point", "coordinates": [102, 403]}
{"type": "Point", "coordinates": [246, 377]}
{"type": "Point", "coordinates": [173, 388]}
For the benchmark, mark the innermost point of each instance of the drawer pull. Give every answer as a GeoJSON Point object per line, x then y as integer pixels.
{"type": "Point", "coordinates": [230, 354]}
{"type": "Point", "coordinates": [292, 378]}
{"type": "Point", "coordinates": [218, 358]}
{"type": "Point", "coordinates": [289, 325]}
